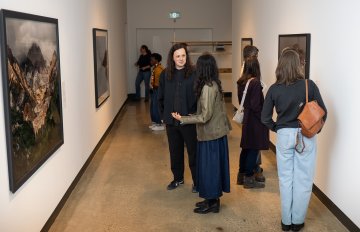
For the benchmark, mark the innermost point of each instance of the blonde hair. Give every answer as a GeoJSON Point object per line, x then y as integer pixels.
{"type": "Point", "coordinates": [288, 70]}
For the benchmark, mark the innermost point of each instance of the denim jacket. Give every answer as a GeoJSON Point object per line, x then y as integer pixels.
{"type": "Point", "coordinates": [211, 119]}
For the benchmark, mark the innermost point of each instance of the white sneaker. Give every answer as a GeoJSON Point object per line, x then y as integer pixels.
{"type": "Point", "coordinates": [158, 127]}
{"type": "Point", "coordinates": [152, 125]}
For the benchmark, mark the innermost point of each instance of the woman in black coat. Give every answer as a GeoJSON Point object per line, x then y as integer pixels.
{"type": "Point", "coordinates": [255, 135]}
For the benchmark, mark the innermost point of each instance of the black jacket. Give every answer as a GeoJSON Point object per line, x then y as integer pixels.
{"type": "Point", "coordinates": [167, 94]}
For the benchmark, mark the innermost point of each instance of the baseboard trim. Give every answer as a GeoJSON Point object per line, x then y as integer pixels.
{"type": "Point", "coordinates": [345, 220]}
{"type": "Point", "coordinates": [67, 194]}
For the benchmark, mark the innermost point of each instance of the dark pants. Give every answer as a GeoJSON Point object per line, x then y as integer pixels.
{"type": "Point", "coordinates": [142, 76]}
{"type": "Point", "coordinates": [154, 107]}
{"type": "Point", "coordinates": [247, 161]}
{"type": "Point", "coordinates": [177, 136]}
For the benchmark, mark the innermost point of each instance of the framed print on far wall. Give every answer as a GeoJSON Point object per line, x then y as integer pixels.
{"type": "Point", "coordinates": [245, 42]}
{"type": "Point", "coordinates": [32, 92]}
{"type": "Point", "coordinates": [101, 66]}
{"type": "Point", "coordinates": [300, 43]}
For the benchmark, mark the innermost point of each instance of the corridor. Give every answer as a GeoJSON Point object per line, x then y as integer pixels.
{"type": "Point", "coordinates": [124, 189]}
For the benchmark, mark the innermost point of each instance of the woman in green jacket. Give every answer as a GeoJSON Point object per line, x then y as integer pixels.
{"type": "Point", "coordinates": [212, 126]}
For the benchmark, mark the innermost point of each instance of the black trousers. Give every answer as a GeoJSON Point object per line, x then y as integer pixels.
{"type": "Point", "coordinates": [177, 136]}
{"type": "Point", "coordinates": [248, 158]}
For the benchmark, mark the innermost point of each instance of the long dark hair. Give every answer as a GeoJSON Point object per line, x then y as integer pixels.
{"type": "Point", "coordinates": [289, 70]}
{"type": "Point", "coordinates": [146, 49]}
{"type": "Point", "coordinates": [251, 69]}
{"type": "Point", "coordinates": [206, 72]}
{"type": "Point", "coordinates": [170, 66]}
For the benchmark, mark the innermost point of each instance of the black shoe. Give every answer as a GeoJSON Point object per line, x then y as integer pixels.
{"type": "Point", "coordinates": [240, 178]}
{"type": "Point", "coordinates": [201, 204]}
{"type": "Point", "coordinates": [210, 206]}
{"type": "Point", "coordinates": [285, 227]}
{"type": "Point", "coordinates": [146, 100]}
{"type": "Point", "coordinates": [174, 184]}
{"type": "Point", "coordinates": [297, 227]}
{"type": "Point", "coordinates": [250, 182]}
{"type": "Point", "coordinates": [193, 189]}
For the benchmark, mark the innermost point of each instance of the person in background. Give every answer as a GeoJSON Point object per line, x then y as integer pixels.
{"type": "Point", "coordinates": [251, 52]}
{"type": "Point", "coordinates": [176, 94]}
{"type": "Point", "coordinates": [144, 72]}
{"type": "Point", "coordinates": [154, 85]}
{"type": "Point", "coordinates": [255, 136]}
{"type": "Point", "coordinates": [212, 127]}
{"type": "Point", "coordinates": [295, 170]}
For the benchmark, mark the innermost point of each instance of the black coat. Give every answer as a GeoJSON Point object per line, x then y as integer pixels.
{"type": "Point", "coordinates": [166, 95]}
{"type": "Point", "coordinates": [255, 135]}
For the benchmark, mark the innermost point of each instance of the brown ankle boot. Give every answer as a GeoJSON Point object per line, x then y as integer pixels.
{"type": "Point", "coordinates": [240, 178]}
{"type": "Point", "coordinates": [250, 182]}
{"type": "Point", "coordinates": [259, 177]}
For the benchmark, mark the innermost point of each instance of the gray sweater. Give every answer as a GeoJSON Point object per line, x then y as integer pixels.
{"type": "Point", "coordinates": [288, 102]}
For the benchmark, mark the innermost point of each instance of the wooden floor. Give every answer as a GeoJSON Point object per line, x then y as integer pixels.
{"type": "Point", "coordinates": [124, 189]}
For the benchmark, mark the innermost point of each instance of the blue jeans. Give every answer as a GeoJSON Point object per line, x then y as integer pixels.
{"type": "Point", "coordinates": [154, 107]}
{"type": "Point", "coordinates": [296, 174]}
{"type": "Point", "coordinates": [142, 76]}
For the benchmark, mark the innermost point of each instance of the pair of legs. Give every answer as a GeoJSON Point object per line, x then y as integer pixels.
{"type": "Point", "coordinates": [154, 107]}
{"type": "Point", "coordinates": [213, 173]}
{"type": "Point", "coordinates": [142, 76]}
{"type": "Point", "coordinates": [296, 173]}
{"type": "Point", "coordinates": [249, 175]}
{"type": "Point", "coordinates": [177, 136]}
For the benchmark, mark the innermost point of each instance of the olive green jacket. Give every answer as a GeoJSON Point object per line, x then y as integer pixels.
{"type": "Point", "coordinates": [211, 119]}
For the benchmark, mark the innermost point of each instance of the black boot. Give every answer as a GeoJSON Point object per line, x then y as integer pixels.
{"type": "Point", "coordinates": [297, 227]}
{"type": "Point", "coordinates": [240, 178]}
{"type": "Point", "coordinates": [201, 203]}
{"type": "Point", "coordinates": [212, 205]}
{"type": "Point", "coordinates": [250, 182]}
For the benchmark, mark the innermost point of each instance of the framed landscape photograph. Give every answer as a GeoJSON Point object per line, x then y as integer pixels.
{"type": "Point", "coordinates": [101, 66]}
{"type": "Point", "coordinates": [30, 62]}
{"type": "Point", "coordinates": [300, 43]}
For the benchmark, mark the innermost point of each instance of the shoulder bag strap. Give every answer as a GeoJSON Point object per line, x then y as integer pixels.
{"type": "Point", "coordinates": [307, 90]}
{"type": "Point", "coordinates": [244, 93]}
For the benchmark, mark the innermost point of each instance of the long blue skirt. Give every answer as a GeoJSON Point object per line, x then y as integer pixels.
{"type": "Point", "coordinates": [212, 168]}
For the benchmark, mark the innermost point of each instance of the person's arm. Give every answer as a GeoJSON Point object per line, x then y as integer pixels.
{"type": "Point", "coordinates": [256, 99]}
{"type": "Point", "coordinates": [161, 93]}
{"type": "Point", "coordinates": [318, 98]}
{"type": "Point", "coordinates": [207, 101]}
{"type": "Point", "coordinates": [267, 112]}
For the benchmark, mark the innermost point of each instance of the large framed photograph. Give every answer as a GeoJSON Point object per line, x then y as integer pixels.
{"type": "Point", "coordinates": [300, 43]}
{"type": "Point", "coordinates": [101, 66]}
{"type": "Point", "coordinates": [30, 62]}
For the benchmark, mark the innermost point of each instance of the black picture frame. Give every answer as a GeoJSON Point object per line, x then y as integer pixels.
{"type": "Point", "coordinates": [30, 59]}
{"type": "Point", "coordinates": [301, 43]}
{"type": "Point", "coordinates": [245, 42]}
{"type": "Point", "coordinates": [101, 66]}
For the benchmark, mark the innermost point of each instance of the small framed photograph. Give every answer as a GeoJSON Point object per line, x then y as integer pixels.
{"type": "Point", "coordinates": [300, 43]}
{"type": "Point", "coordinates": [101, 66]}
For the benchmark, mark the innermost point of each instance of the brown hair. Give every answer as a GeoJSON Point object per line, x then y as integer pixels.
{"type": "Point", "coordinates": [170, 66]}
{"type": "Point", "coordinates": [288, 70]}
{"type": "Point", "coordinates": [251, 69]}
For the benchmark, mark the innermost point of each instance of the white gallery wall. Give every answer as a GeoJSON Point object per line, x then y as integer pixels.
{"type": "Point", "coordinates": [334, 66]}
{"type": "Point", "coordinates": [199, 14]}
{"type": "Point", "coordinates": [31, 206]}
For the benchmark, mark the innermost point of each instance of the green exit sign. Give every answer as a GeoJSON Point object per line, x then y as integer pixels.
{"type": "Point", "coordinates": [174, 15]}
